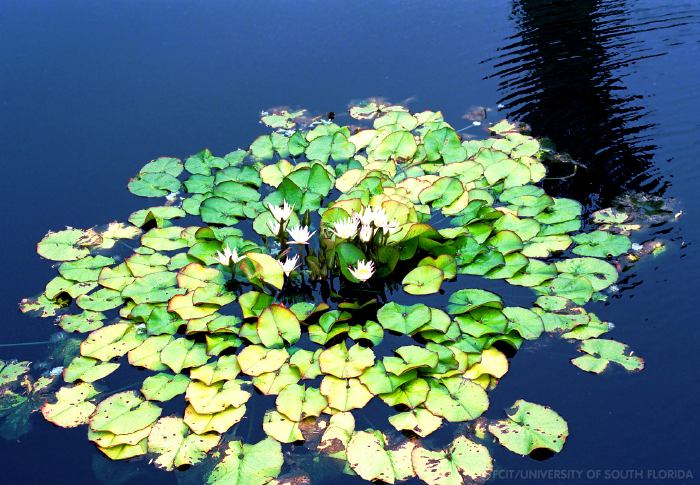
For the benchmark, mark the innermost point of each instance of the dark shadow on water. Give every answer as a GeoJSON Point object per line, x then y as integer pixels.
{"type": "Point", "coordinates": [541, 454]}
{"type": "Point", "coordinates": [563, 73]}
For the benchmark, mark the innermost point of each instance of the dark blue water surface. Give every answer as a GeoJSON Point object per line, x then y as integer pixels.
{"type": "Point", "coordinates": [90, 91]}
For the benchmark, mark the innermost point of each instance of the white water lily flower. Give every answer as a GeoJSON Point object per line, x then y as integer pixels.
{"type": "Point", "coordinates": [391, 227]}
{"type": "Point", "coordinates": [228, 256]}
{"type": "Point", "coordinates": [225, 257]}
{"type": "Point", "coordinates": [346, 228]}
{"type": "Point", "coordinates": [363, 271]}
{"type": "Point", "coordinates": [281, 213]}
{"type": "Point", "coordinates": [290, 264]}
{"type": "Point", "coordinates": [300, 235]}
{"type": "Point", "coordinates": [274, 227]}
{"type": "Point", "coordinates": [365, 217]}
{"type": "Point", "coordinates": [366, 233]}
{"type": "Point", "coordinates": [235, 258]}
{"type": "Point", "coordinates": [379, 217]}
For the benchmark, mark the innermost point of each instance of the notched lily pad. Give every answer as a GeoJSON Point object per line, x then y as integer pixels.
{"type": "Point", "coordinates": [530, 426]}
{"type": "Point", "coordinates": [600, 352]}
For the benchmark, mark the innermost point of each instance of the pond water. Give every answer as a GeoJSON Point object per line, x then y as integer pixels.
{"type": "Point", "coordinates": [92, 90]}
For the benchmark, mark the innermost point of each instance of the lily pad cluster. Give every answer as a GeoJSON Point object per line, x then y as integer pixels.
{"type": "Point", "coordinates": [272, 270]}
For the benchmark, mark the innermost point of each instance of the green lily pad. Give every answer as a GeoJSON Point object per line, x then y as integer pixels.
{"type": "Point", "coordinates": [159, 215]}
{"type": "Point", "coordinates": [444, 144]}
{"type": "Point", "coordinates": [175, 445]}
{"type": "Point", "coordinates": [399, 144]}
{"type": "Point", "coordinates": [100, 301]}
{"type": "Point", "coordinates": [277, 325]}
{"type": "Point", "coordinates": [298, 402]}
{"type": "Point", "coordinates": [370, 331]}
{"type": "Point", "coordinates": [272, 383]}
{"type": "Point", "coordinates": [444, 262]}
{"type": "Point", "coordinates": [169, 165]}
{"type": "Point", "coordinates": [340, 362]}
{"type": "Point", "coordinates": [530, 426]}
{"type": "Point", "coordinates": [87, 369]}
{"type": "Point", "coordinates": [124, 413]}
{"type": "Point", "coordinates": [216, 397]}
{"type": "Point", "coordinates": [335, 146]}
{"type": "Point", "coordinates": [164, 387]}
{"type": "Point", "coordinates": [423, 280]}
{"type": "Point", "coordinates": [281, 428]}
{"type": "Point", "coordinates": [464, 461]}
{"type": "Point", "coordinates": [223, 369]}
{"type": "Point", "coordinates": [600, 244]}
{"type": "Point", "coordinates": [456, 399]}
{"type": "Point", "coordinates": [111, 341]}
{"type": "Point", "coordinates": [599, 273]}
{"type": "Point", "coordinates": [216, 422]}
{"type": "Point", "coordinates": [255, 360]}
{"type": "Point", "coordinates": [66, 245]}
{"type": "Point", "coordinates": [245, 464]}
{"type": "Point", "coordinates": [345, 394]}
{"type": "Point", "coordinates": [157, 287]}
{"type": "Point", "coordinates": [72, 407]}
{"type": "Point", "coordinates": [164, 239]}
{"type": "Point", "coordinates": [181, 353]}
{"type": "Point", "coordinates": [403, 319]}
{"type": "Point", "coordinates": [410, 357]}
{"type": "Point", "coordinates": [85, 269]}
{"type": "Point", "coordinates": [368, 457]}
{"type": "Point", "coordinates": [380, 381]}
{"type": "Point", "coordinates": [463, 301]}
{"type": "Point", "coordinates": [412, 394]}
{"type": "Point", "coordinates": [419, 420]}
{"type": "Point", "coordinates": [600, 352]}
{"type": "Point", "coordinates": [154, 184]}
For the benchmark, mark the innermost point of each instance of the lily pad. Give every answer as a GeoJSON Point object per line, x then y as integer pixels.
{"type": "Point", "coordinates": [464, 461]}
{"type": "Point", "coordinates": [277, 325]}
{"type": "Point", "coordinates": [87, 369]}
{"type": "Point", "coordinates": [66, 245]}
{"type": "Point", "coordinates": [463, 301]}
{"type": "Point", "coordinates": [369, 458]}
{"type": "Point", "coordinates": [530, 426]}
{"type": "Point", "coordinates": [216, 397]}
{"type": "Point", "coordinates": [601, 244]}
{"type": "Point", "coordinates": [419, 420]}
{"type": "Point", "coordinates": [164, 387]}
{"type": "Point", "coordinates": [423, 280]}
{"type": "Point", "coordinates": [245, 464]}
{"type": "Point", "coordinates": [297, 402]}
{"type": "Point", "coordinates": [403, 319]}
{"type": "Point", "coordinates": [72, 407]}
{"type": "Point", "coordinates": [600, 352]}
{"type": "Point", "coordinates": [124, 413]}
{"type": "Point", "coordinates": [345, 394]}
{"type": "Point", "coordinates": [175, 445]}
{"type": "Point", "coordinates": [456, 399]}
{"type": "Point", "coordinates": [340, 362]}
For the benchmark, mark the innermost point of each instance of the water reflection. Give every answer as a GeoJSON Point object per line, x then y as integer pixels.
{"type": "Point", "coordinates": [564, 73]}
